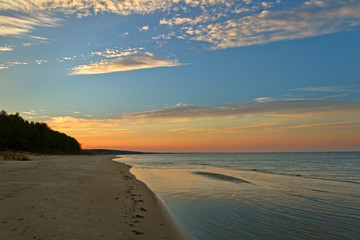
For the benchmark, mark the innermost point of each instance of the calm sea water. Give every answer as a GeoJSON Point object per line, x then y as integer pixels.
{"type": "Point", "coordinates": [257, 195]}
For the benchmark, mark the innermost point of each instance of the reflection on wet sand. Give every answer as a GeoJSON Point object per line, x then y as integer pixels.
{"type": "Point", "coordinates": [271, 207]}
{"type": "Point", "coordinates": [221, 177]}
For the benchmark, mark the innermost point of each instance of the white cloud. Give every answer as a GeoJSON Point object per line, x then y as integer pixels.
{"type": "Point", "coordinates": [31, 112]}
{"type": "Point", "coordinates": [221, 23]}
{"type": "Point", "coordinates": [328, 89]}
{"type": "Point", "coordinates": [288, 107]}
{"type": "Point", "coordinates": [144, 28]}
{"type": "Point", "coordinates": [202, 18]}
{"type": "Point", "coordinates": [69, 58]}
{"type": "Point", "coordinates": [38, 38]}
{"type": "Point", "coordinates": [11, 64]}
{"type": "Point", "coordinates": [2, 67]}
{"type": "Point", "coordinates": [6, 49]}
{"type": "Point", "coordinates": [113, 53]}
{"type": "Point", "coordinates": [325, 92]}
{"type": "Point", "coordinates": [126, 63]}
{"type": "Point", "coordinates": [20, 24]}
{"type": "Point", "coordinates": [267, 4]}
{"type": "Point", "coordinates": [40, 61]}
{"type": "Point", "coordinates": [269, 26]}
{"type": "Point", "coordinates": [263, 99]}
{"type": "Point", "coordinates": [315, 3]}
{"type": "Point", "coordinates": [90, 7]}
{"type": "Point", "coordinates": [240, 10]}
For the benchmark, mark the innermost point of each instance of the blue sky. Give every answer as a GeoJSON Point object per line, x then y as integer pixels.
{"type": "Point", "coordinates": [91, 61]}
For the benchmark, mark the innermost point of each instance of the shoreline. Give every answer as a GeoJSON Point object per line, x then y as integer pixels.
{"type": "Point", "coordinates": [79, 197]}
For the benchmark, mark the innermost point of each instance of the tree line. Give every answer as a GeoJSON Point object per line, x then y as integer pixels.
{"type": "Point", "coordinates": [19, 134]}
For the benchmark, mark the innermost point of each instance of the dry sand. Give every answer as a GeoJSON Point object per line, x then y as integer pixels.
{"type": "Point", "coordinates": [78, 197]}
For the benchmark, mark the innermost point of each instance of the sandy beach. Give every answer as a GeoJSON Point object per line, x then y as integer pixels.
{"type": "Point", "coordinates": [78, 197]}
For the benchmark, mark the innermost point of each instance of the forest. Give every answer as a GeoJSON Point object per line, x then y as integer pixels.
{"type": "Point", "coordinates": [17, 134]}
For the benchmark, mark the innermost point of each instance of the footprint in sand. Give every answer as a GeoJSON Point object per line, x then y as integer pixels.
{"type": "Point", "coordinates": [137, 232]}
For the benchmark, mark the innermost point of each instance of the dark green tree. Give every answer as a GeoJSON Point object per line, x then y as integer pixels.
{"type": "Point", "coordinates": [18, 134]}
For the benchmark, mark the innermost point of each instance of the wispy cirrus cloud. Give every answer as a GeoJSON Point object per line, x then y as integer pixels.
{"type": "Point", "coordinates": [89, 7]}
{"type": "Point", "coordinates": [31, 112]}
{"type": "Point", "coordinates": [268, 26]}
{"type": "Point", "coordinates": [187, 20]}
{"type": "Point", "coordinates": [2, 67]}
{"type": "Point", "coordinates": [12, 64]}
{"type": "Point", "coordinates": [126, 63]}
{"type": "Point", "coordinates": [18, 25]}
{"type": "Point", "coordinates": [264, 99]}
{"type": "Point", "coordinates": [250, 27]}
{"type": "Point", "coordinates": [6, 49]}
{"type": "Point", "coordinates": [40, 61]}
{"type": "Point", "coordinates": [113, 53]}
{"type": "Point", "coordinates": [221, 24]}
{"type": "Point", "coordinates": [326, 92]}
{"type": "Point", "coordinates": [287, 107]}
{"type": "Point", "coordinates": [144, 28]}
{"type": "Point", "coordinates": [328, 89]}
{"type": "Point", "coordinates": [273, 115]}
{"type": "Point", "coordinates": [290, 125]}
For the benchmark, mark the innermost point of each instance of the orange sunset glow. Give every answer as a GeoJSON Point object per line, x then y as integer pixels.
{"type": "Point", "coordinates": [286, 129]}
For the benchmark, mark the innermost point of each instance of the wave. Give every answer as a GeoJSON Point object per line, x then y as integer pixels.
{"type": "Point", "coordinates": [221, 177]}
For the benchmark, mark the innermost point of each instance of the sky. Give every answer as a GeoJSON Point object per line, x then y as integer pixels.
{"type": "Point", "coordinates": [186, 75]}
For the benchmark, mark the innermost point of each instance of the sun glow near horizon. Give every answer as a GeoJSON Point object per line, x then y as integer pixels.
{"type": "Point", "coordinates": [308, 128]}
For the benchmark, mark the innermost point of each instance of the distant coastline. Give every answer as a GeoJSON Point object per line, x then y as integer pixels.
{"type": "Point", "coordinates": [113, 152]}
{"type": "Point", "coordinates": [125, 152]}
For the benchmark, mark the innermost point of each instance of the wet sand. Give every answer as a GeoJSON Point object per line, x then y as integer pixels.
{"type": "Point", "coordinates": [78, 197]}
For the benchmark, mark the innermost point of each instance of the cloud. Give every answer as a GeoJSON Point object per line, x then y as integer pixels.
{"type": "Point", "coordinates": [93, 7]}
{"type": "Point", "coordinates": [327, 89]}
{"type": "Point", "coordinates": [32, 112]}
{"type": "Point", "coordinates": [268, 26]}
{"type": "Point", "coordinates": [250, 117]}
{"type": "Point", "coordinates": [38, 38]}
{"type": "Point", "coordinates": [89, 7]}
{"type": "Point", "coordinates": [65, 122]}
{"type": "Point", "coordinates": [11, 64]}
{"type": "Point", "coordinates": [126, 63]}
{"type": "Point", "coordinates": [144, 28]}
{"type": "Point", "coordinates": [186, 20]}
{"type": "Point", "coordinates": [327, 92]}
{"type": "Point", "coordinates": [113, 53]}
{"type": "Point", "coordinates": [315, 3]}
{"type": "Point", "coordinates": [2, 67]}
{"type": "Point", "coordinates": [220, 23]}
{"type": "Point", "coordinates": [263, 99]}
{"type": "Point", "coordinates": [288, 107]}
{"type": "Point", "coordinates": [273, 125]}
{"type": "Point", "coordinates": [20, 25]}
{"type": "Point", "coordinates": [69, 58]}
{"type": "Point", "coordinates": [6, 49]}
{"type": "Point", "coordinates": [40, 61]}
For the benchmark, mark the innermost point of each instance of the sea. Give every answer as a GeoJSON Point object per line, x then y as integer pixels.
{"type": "Point", "coordinates": [215, 196]}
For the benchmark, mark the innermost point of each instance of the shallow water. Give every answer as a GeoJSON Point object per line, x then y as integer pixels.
{"type": "Point", "coordinates": [228, 203]}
